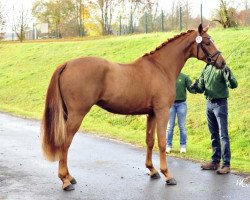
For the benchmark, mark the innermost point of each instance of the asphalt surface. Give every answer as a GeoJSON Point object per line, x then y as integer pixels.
{"type": "Point", "coordinates": [103, 168]}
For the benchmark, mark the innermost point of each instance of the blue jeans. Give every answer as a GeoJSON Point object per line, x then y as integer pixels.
{"type": "Point", "coordinates": [217, 112]}
{"type": "Point", "coordinates": [179, 109]}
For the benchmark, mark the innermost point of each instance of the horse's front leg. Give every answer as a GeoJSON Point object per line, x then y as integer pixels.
{"type": "Point", "coordinates": [162, 116]}
{"type": "Point", "coordinates": [150, 139]}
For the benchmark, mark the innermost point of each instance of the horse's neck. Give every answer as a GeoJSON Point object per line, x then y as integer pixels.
{"type": "Point", "coordinates": [173, 56]}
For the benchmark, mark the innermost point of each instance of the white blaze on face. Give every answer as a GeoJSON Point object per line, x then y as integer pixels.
{"type": "Point", "coordinates": [198, 39]}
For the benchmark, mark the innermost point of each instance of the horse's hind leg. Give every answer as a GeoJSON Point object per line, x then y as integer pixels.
{"type": "Point", "coordinates": [150, 138]}
{"type": "Point", "coordinates": [73, 123]}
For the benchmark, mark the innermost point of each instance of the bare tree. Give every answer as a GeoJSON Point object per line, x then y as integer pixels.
{"type": "Point", "coordinates": [247, 14]}
{"type": "Point", "coordinates": [103, 4]}
{"type": "Point", "coordinates": [146, 11]}
{"type": "Point", "coordinates": [186, 14]}
{"type": "Point", "coordinates": [80, 7]}
{"type": "Point", "coordinates": [173, 18]}
{"type": "Point", "coordinates": [57, 13]}
{"type": "Point", "coordinates": [107, 9]}
{"type": "Point", "coordinates": [21, 24]}
{"type": "Point", "coordinates": [137, 5]}
{"type": "Point", "coordinates": [130, 9]}
{"type": "Point", "coordinates": [244, 15]}
{"type": "Point", "coordinates": [226, 15]}
{"type": "Point", "coordinates": [151, 7]}
{"type": "Point", "coordinates": [2, 22]}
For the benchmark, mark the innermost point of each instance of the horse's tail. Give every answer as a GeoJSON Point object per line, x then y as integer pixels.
{"type": "Point", "coordinates": [53, 131]}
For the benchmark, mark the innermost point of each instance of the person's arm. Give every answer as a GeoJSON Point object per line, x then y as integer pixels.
{"type": "Point", "coordinates": [230, 78]}
{"type": "Point", "coordinates": [198, 86]}
{"type": "Point", "coordinates": [188, 83]}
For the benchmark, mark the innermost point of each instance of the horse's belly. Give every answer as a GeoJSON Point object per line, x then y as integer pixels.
{"type": "Point", "coordinates": [125, 109]}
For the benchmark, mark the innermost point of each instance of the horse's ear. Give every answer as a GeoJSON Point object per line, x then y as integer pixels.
{"type": "Point", "coordinates": [206, 28]}
{"type": "Point", "coordinates": [200, 29]}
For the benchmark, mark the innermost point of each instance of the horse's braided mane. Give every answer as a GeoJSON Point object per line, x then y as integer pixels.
{"type": "Point", "coordinates": [168, 41]}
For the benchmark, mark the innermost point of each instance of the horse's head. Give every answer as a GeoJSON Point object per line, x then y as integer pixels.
{"type": "Point", "coordinates": [206, 49]}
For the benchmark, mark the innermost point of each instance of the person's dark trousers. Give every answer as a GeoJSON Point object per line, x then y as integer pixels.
{"type": "Point", "coordinates": [217, 112]}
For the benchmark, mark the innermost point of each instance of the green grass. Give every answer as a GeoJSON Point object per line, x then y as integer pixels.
{"type": "Point", "coordinates": [25, 71]}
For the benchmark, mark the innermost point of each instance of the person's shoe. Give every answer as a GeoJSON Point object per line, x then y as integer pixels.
{"type": "Point", "coordinates": [168, 149]}
{"type": "Point", "coordinates": [183, 150]}
{"type": "Point", "coordinates": [223, 170]}
{"type": "Point", "coordinates": [210, 166]}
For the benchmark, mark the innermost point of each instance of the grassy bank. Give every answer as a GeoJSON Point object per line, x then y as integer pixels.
{"type": "Point", "coordinates": [25, 71]}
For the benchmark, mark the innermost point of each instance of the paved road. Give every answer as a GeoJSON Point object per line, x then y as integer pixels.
{"type": "Point", "coordinates": [104, 169]}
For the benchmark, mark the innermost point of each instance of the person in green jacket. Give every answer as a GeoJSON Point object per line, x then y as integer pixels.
{"type": "Point", "coordinates": [215, 83]}
{"type": "Point", "coordinates": [179, 109]}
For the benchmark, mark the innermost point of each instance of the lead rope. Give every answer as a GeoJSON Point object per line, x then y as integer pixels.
{"type": "Point", "coordinates": [235, 48]}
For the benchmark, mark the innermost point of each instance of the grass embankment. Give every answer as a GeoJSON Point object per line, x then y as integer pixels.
{"type": "Point", "coordinates": [25, 71]}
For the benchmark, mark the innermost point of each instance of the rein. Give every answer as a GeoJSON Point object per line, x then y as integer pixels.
{"type": "Point", "coordinates": [209, 57]}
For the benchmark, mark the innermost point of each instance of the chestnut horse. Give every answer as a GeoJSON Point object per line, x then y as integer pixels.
{"type": "Point", "coordinates": [145, 86]}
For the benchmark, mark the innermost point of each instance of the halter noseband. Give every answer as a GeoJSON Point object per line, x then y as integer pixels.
{"type": "Point", "coordinates": [209, 57]}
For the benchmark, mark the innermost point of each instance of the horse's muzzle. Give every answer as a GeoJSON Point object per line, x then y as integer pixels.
{"type": "Point", "coordinates": [220, 65]}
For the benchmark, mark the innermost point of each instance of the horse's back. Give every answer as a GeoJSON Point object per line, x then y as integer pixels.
{"type": "Point", "coordinates": [118, 88]}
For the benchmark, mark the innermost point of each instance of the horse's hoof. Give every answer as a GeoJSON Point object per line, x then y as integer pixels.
{"type": "Point", "coordinates": [171, 181]}
{"type": "Point", "coordinates": [73, 181]}
{"type": "Point", "coordinates": [155, 176]}
{"type": "Point", "coordinates": [69, 188]}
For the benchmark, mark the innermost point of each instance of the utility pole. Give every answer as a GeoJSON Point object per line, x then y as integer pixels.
{"type": "Point", "coordinates": [33, 32]}
{"type": "Point", "coordinates": [81, 25]}
{"type": "Point", "coordinates": [146, 23]}
{"type": "Point", "coordinates": [120, 26]}
{"type": "Point", "coordinates": [180, 19]}
{"type": "Point", "coordinates": [131, 23]}
{"type": "Point", "coordinates": [201, 15]}
{"type": "Point", "coordinates": [162, 21]}
{"type": "Point", "coordinates": [12, 35]}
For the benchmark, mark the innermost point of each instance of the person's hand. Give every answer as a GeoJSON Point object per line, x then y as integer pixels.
{"type": "Point", "coordinates": [228, 73]}
{"type": "Point", "coordinates": [194, 86]}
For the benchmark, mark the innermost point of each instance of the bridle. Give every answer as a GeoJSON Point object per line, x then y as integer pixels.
{"type": "Point", "coordinates": [209, 57]}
